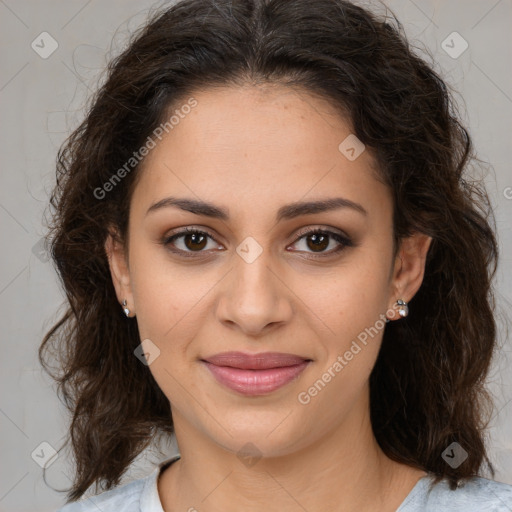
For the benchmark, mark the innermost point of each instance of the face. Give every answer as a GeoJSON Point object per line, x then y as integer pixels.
{"type": "Point", "coordinates": [259, 271]}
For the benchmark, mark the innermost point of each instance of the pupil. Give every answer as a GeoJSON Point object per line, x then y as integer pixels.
{"type": "Point", "coordinates": [196, 238]}
{"type": "Point", "coordinates": [319, 241]}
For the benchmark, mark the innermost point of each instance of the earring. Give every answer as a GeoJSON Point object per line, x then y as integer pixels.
{"type": "Point", "coordinates": [125, 309]}
{"type": "Point", "coordinates": [403, 308]}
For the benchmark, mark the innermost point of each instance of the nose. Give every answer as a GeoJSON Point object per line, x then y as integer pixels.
{"type": "Point", "coordinates": [254, 299]}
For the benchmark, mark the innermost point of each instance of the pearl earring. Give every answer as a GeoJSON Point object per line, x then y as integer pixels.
{"type": "Point", "coordinates": [125, 309]}
{"type": "Point", "coordinates": [403, 308]}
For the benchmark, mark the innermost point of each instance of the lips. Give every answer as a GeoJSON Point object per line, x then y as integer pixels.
{"type": "Point", "coordinates": [255, 374]}
{"type": "Point", "coordinates": [262, 361]}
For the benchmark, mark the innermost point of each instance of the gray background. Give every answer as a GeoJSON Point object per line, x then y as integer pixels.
{"type": "Point", "coordinates": [41, 101]}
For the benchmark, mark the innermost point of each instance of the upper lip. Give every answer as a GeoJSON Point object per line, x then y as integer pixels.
{"type": "Point", "coordinates": [261, 361]}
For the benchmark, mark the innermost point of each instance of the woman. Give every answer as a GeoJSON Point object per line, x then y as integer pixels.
{"type": "Point", "coordinates": [270, 248]}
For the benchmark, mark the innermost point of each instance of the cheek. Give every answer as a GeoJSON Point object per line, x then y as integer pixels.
{"type": "Point", "coordinates": [171, 303]}
{"type": "Point", "coordinates": [351, 298]}
{"type": "Point", "coordinates": [166, 297]}
{"type": "Point", "coordinates": [352, 304]}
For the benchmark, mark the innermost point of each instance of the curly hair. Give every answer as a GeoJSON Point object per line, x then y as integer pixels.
{"type": "Point", "coordinates": [427, 388]}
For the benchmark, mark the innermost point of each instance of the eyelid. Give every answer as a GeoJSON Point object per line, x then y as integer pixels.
{"type": "Point", "coordinates": [323, 229]}
{"type": "Point", "coordinates": [181, 232]}
{"type": "Point", "coordinates": [190, 229]}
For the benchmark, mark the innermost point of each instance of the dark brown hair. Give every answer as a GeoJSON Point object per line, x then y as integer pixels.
{"type": "Point", "coordinates": [427, 387]}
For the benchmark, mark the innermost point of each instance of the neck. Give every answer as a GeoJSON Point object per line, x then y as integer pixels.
{"type": "Point", "coordinates": [343, 470]}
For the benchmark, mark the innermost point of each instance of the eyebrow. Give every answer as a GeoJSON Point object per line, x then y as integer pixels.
{"type": "Point", "coordinates": [286, 212]}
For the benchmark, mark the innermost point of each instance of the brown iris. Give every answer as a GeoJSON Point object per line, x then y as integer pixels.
{"type": "Point", "coordinates": [195, 241]}
{"type": "Point", "coordinates": [319, 242]}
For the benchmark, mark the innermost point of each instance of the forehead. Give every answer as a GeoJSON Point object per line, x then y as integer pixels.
{"type": "Point", "coordinates": [242, 145]}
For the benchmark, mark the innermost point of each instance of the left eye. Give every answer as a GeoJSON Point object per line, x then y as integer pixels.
{"type": "Point", "coordinates": [318, 241]}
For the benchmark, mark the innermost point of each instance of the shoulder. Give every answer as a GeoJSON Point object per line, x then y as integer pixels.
{"type": "Point", "coordinates": [475, 494]}
{"type": "Point", "coordinates": [125, 498]}
{"type": "Point", "coordinates": [136, 496]}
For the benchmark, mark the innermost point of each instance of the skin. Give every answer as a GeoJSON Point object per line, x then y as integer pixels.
{"type": "Point", "coordinates": [252, 150]}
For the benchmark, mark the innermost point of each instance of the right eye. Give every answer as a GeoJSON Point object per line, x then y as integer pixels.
{"type": "Point", "coordinates": [189, 241]}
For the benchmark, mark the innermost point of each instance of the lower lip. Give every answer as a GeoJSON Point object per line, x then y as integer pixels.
{"type": "Point", "coordinates": [255, 382]}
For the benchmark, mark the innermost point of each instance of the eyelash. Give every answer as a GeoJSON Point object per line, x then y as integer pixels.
{"type": "Point", "coordinates": [343, 240]}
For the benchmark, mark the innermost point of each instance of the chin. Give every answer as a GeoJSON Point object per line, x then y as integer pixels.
{"type": "Point", "coordinates": [264, 436]}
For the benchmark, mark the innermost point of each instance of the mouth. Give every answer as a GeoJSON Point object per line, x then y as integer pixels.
{"type": "Point", "coordinates": [255, 374]}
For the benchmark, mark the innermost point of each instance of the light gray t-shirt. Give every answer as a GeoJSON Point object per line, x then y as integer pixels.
{"type": "Point", "coordinates": [476, 495]}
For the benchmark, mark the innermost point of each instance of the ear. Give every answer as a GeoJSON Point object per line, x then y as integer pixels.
{"type": "Point", "coordinates": [409, 270]}
{"type": "Point", "coordinates": [119, 270]}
